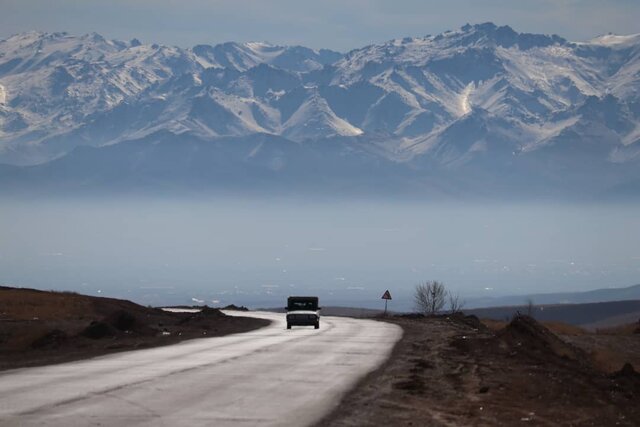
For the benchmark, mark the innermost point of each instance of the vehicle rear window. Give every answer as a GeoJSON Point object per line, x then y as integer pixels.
{"type": "Point", "coordinates": [303, 305]}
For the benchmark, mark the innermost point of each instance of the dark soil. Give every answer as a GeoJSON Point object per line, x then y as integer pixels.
{"type": "Point", "coordinates": [39, 328]}
{"type": "Point", "coordinates": [235, 307]}
{"type": "Point", "coordinates": [451, 370]}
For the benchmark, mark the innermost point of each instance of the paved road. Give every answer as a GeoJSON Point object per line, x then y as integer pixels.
{"type": "Point", "coordinates": [271, 376]}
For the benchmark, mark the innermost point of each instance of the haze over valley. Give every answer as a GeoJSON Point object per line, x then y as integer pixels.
{"type": "Point", "coordinates": [500, 162]}
{"type": "Point", "coordinates": [257, 251]}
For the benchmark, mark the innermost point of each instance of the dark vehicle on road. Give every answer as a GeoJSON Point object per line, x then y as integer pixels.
{"type": "Point", "coordinates": [303, 311]}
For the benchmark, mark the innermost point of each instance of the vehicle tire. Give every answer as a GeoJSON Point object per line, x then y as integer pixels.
{"type": "Point", "coordinates": [317, 325]}
{"type": "Point", "coordinates": [288, 326]}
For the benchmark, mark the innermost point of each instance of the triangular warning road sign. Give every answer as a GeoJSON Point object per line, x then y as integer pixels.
{"type": "Point", "coordinates": [386, 295]}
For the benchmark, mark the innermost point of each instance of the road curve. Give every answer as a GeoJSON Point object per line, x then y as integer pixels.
{"type": "Point", "coordinates": [271, 376]}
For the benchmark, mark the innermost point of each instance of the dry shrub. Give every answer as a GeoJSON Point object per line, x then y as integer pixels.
{"type": "Point", "coordinates": [557, 328]}
{"type": "Point", "coordinates": [607, 360]}
{"type": "Point", "coordinates": [121, 320]}
{"type": "Point", "coordinates": [628, 329]}
{"type": "Point", "coordinates": [560, 328]}
{"type": "Point", "coordinates": [52, 339]}
{"type": "Point", "coordinates": [97, 330]}
{"type": "Point", "coordinates": [494, 325]}
{"type": "Point", "coordinates": [22, 337]}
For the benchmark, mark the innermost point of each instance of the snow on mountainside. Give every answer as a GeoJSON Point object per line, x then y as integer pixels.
{"type": "Point", "coordinates": [315, 119]}
{"type": "Point", "coordinates": [242, 56]}
{"type": "Point", "coordinates": [536, 83]}
{"type": "Point", "coordinates": [53, 86]}
{"type": "Point", "coordinates": [54, 83]}
{"type": "Point", "coordinates": [460, 99]}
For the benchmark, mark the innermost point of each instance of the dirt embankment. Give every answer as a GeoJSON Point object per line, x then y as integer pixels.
{"type": "Point", "coordinates": [451, 371]}
{"type": "Point", "coordinates": [38, 327]}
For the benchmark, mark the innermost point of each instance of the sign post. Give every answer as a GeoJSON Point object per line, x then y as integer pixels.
{"type": "Point", "coordinates": [386, 297]}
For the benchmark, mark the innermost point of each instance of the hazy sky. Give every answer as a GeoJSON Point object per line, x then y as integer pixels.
{"type": "Point", "coordinates": [336, 24]}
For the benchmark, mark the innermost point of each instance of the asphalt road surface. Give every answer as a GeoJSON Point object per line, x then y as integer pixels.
{"type": "Point", "coordinates": [271, 376]}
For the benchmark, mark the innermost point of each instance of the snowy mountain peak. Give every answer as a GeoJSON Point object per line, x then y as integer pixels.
{"type": "Point", "coordinates": [315, 119]}
{"type": "Point", "coordinates": [505, 36]}
{"type": "Point", "coordinates": [242, 56]}
{"type": "Point", "coordinates": [454, 96]}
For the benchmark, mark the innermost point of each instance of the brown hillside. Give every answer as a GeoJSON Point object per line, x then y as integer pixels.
{"type": "Point", "coordinates": [40, 327]}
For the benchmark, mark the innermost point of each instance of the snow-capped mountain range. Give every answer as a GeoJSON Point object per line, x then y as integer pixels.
{"type": "Point", "coordinates": [481, 98]}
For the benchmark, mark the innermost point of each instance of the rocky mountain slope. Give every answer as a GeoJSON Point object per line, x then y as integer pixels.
{"type": "Point", "coordinates": [485, 104]}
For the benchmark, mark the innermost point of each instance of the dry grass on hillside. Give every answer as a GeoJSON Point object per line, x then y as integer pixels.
{"type": "Point", "coordinates": [557, 328]}
{"type": "Point", "coordinates": [20, 304]}
{"type": "Point", "coordinates": [39, 327]}
{"type": "Point", "coordinates": [628, 329]}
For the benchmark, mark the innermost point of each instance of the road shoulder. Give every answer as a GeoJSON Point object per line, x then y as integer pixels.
{"type": "Point", "coordinates": [454, 371]}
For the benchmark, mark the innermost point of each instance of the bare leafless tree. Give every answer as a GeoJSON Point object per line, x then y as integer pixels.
{"type": "Point", "coordinates": [455, 302]}
{"type": "Point", "coordinates": [530, 307]}
{"type": "Point", "coordinates": [430, 297]}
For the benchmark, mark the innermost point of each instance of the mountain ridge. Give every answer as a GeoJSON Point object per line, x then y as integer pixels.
{"type": "Point", "coordinates": [480, 97]}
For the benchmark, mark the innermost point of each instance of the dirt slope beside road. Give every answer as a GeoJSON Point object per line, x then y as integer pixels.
{"type": "Point", "coordinates": [39, 328]}
{"type": "Point", "coordinates": [454, 371]}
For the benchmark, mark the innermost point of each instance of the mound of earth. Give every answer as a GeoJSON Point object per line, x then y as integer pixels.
{"type": "Point", "coordinates": [39, 327]}
{"type": "Point", "coordinates": [529, 337]}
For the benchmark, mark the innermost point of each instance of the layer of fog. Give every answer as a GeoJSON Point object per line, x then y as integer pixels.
{"type": "Point", "coordinates": [256, 252]}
